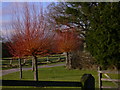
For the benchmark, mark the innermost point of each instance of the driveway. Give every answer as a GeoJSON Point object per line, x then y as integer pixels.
{"type": "Point", "coordinates": [4, 72]}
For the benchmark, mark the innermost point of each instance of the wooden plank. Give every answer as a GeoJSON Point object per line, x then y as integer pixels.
{"type": "Point", "coordinates": [40, 83]}
{"type": "Point", "coordinates": [99, 78]}
{"type": "Point", "coordinates": [110, 78]}
{"type": "Point", "coordinates": [114, 80]}
{"type": "Point", "coordinates": [107, 87]}
{"type": "Point", "coordinates": [112, 72]}
{"type": "Point", "coordinates": [7, 59]}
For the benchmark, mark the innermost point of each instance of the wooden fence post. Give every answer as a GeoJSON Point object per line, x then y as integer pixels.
{"type": "Point", "coordinates": [11, 62]}
{"type": "Point", "coordinates": [33, 62]}
{"type": "Point", "coordinates": [24, 62]}
{"type": "Point", "coordinates": [88, 82]}
{"type": "Point", "coordinates": [99, 78]}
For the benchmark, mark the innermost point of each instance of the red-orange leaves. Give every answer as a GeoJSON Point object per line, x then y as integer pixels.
{"type": "Point", "coordinates": [30, 35]}
{"type": "Point", "coordinates": [68, 40]}
{"type": "Point", "coordinates": [32, 43]}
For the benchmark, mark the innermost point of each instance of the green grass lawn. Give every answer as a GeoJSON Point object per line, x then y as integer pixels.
{"type": "Point", "coordinates": [53, 74]}
{"type": "Point", "coordinates": [58, 73]}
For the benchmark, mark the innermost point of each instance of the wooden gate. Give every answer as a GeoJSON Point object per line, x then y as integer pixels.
{"type": "Point", "coordinates": [108, 78]}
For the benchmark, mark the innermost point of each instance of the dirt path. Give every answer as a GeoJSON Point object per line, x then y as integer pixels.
{"type": "Point", "coordinates": [4, 72]}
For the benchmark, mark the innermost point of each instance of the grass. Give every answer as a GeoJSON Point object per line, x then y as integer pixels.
{"type": "Point", "coordinates": [52, 74]}
{"type": "Point", "coordinates": [58, 73]}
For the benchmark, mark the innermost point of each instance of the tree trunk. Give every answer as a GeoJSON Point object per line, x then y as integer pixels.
{"type": "Point", "coordinates": [33, 62]}
{"type": "Point", "coordinates": [20, 66]}
{"type": "Point", "coordinates": [67, 60]}
{"type": "Point", "coordinates": [35, 69]}
{"type": "Point", "coordinates": [70, 61]}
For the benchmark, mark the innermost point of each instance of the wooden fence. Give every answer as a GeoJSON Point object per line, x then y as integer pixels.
{"type": "Point", "coordinates": [108, 79]}
{"type": "Point", "coordinates": [87, 83]}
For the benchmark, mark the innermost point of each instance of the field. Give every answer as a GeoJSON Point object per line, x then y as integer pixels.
{"type": "Point", "coordinates": [55, 74]}
{"type": "Point", "coordinates": [59, 73]}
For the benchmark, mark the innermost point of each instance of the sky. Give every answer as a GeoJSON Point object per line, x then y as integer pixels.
{"type": "Point", "coordinates": [7, 5]}
{"type": "Point", "coordinates": [6, 14]}
{"type": "Point", "coordinates": [30, 0]}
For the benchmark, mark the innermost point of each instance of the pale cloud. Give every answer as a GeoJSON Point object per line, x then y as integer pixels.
{"type": "Point", "coordinates": [5, 21]}
{"type": "Point", "coordinates": [6, 11]}
{"type": "Point", "coordinates": [6, 33]}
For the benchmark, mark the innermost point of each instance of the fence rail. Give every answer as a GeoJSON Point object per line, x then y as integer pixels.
{"type": "Point", "coordinates": [112, 72]}
{"type": "Point", "coordinates": [87, 83]}
{"type": "Point", "coordinates": [114, 80]}
{"type": "Point", "coordinates": [40, 83]}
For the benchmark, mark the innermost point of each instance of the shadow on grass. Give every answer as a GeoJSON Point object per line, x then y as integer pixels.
{"type": "Point", "coordinates": [40, 83]}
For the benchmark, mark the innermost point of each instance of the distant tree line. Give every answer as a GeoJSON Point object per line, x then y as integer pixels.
{"type": "Point", "coordinates": [5, 51]}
